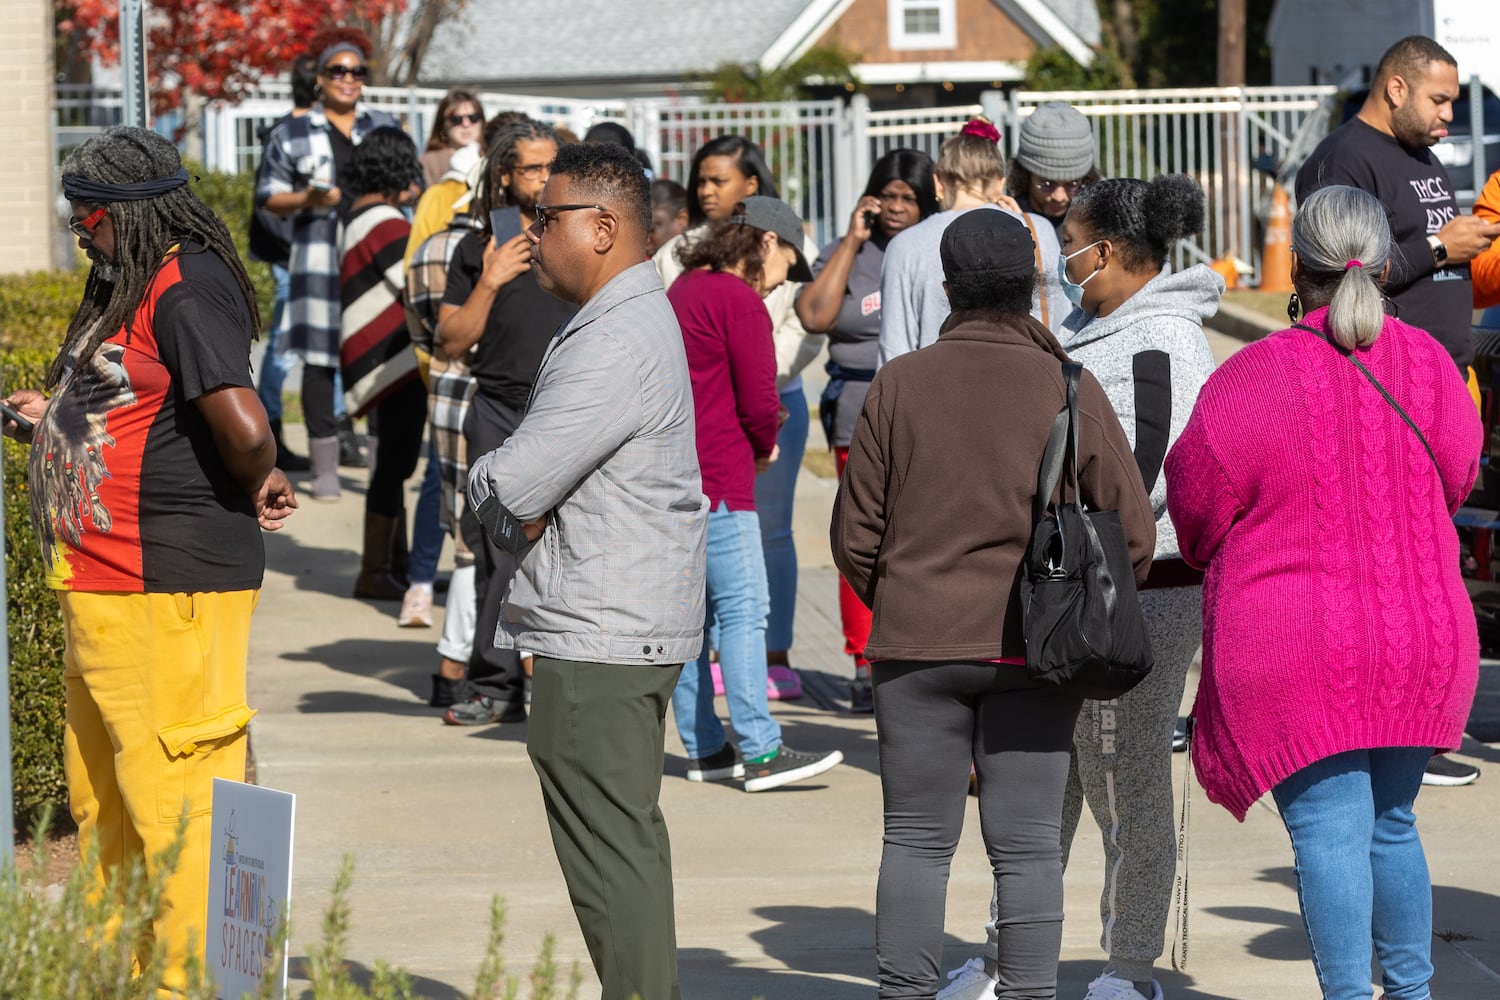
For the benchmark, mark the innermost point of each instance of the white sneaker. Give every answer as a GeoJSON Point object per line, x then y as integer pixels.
{"type": "Point", "coordinates": [416, 607]}
{"type": "Point", "coordinates": [1111, 987]}
{"type": "Point", "coordinates": [969, 982]}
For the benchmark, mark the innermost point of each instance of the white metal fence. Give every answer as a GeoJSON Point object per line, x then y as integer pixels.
{"type": "Point", "coordinates": [1230, 139]}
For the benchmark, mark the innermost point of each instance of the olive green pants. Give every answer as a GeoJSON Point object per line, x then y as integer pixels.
{"type": "Point", "coordinates": [595, 738]}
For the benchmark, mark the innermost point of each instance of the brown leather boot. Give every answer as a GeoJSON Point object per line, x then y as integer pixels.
{"type": "Point", "coordinates": [375, 581]}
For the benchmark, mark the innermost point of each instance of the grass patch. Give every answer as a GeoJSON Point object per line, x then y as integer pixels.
{"type": "Point", "coordinates": [1271, 305]}
{"type": "Point", "coordinates": [820, 462]}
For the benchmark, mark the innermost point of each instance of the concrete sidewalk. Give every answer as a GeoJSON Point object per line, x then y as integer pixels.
{"type": "Point", "coordinates": [776, 891]}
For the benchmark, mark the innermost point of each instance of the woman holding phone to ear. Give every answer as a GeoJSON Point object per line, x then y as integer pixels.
{"type": "Point", "coordinates": [843, 301]}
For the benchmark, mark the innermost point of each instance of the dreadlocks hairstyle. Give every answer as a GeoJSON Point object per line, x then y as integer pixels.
{"type": "Point", "coordinates": [504, 155]}
{"type": "Point", "coordinates": [146, 229]}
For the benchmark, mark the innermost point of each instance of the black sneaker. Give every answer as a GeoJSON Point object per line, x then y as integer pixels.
{"type": "Point", "coordinates": [721, 765]}
{"type": "Point", "coordinates": [861, 696]}
{"type": "Point", "coordinates": [788, 766]}
{"type": "Point", "coordinates": [480, 710]}
{"type": "Point", "coordinates": [1447, 772]}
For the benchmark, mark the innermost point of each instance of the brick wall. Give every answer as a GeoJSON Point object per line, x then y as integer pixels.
{"type": "Point", "coordinates": [984, 34]}
{"type": "Point", "coordinates": [28, 236]}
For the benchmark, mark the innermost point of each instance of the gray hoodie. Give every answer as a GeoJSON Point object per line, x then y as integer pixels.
{"type": "Point", "coordinates": [1152, 358]}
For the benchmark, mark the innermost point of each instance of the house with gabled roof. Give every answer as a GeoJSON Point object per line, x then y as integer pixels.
{"type": "Point", "coordinates": [911, 51]}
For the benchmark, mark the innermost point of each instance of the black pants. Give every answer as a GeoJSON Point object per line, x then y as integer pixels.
{"type": "Point", "coordinates": [931, 720]}
{"type": "Point", "coordinates": [494, 673]}
{"type": "Point", "coordinates": [402, 417]}
{"type": "Point", "coordinates": [317, 401]}
{"type": "Point", "coordinates": [595, 739]}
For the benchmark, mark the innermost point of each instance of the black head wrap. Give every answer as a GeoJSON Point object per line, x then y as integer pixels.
{"type": "Point", "coordinates": [76, 187]}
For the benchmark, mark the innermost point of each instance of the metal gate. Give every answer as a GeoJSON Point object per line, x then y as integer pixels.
{"type": "Point", "coordinates": [1230, 139]}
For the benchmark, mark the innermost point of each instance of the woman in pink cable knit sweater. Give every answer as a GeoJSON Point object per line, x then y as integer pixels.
{"type": "Point", "coordinates": [1339, 644]}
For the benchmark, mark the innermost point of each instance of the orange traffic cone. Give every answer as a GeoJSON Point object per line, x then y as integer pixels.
{"type": "Point", "coordinates": [1227, 270]}
{"type": "Point", "coordinates": [1276, 257]}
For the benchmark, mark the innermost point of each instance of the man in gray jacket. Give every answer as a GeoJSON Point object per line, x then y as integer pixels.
{"type": "Point", "coordinates": [598, 493]}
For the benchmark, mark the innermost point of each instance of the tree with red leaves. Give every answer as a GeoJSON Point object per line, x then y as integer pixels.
{"type": "Point", "coordinates": [219, 49]}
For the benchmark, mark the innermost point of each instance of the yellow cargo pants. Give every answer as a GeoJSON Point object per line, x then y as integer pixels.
{"type": "Point", "coordinates": [156, 710]}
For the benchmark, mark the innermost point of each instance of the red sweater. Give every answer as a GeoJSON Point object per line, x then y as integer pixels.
{"type": "Point", "coordinates": [727, 333]}
{"type": "Point", "coordinates": [1334, 616]}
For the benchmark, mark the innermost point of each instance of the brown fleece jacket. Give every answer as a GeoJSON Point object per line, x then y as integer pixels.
{"type": "Point", "coordinates": [933, 514]}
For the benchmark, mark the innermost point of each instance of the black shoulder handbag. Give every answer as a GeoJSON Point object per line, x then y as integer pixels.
{"type": "Point", "coordinates": [1085, 633]}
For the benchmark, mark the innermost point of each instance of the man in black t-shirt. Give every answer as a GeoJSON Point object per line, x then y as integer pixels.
{"type": "Point", "coordinates": [1385, 150]}
{"type": "Point", "coordinates": [493, 304]}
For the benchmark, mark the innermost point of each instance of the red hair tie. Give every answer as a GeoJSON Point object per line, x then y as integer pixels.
{"type": "Point", "coordinates": [1353, 263]}
{"type": "Point", "coordinates": [981, 128]}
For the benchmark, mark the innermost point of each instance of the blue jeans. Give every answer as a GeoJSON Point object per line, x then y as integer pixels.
{"type": "Point", "coordinates": [275, 363]}
{"type": "Point", "coordinates": [427, 527]}
{"type": "Point", "coordinates": [1361, 871]}
{"type": "Point", "coordinates": [775, 489]}
{"type": "Point", "coordinates": [737, 603]}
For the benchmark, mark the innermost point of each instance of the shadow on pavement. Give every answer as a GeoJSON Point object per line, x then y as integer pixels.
{"type": "Point", "coordinates": [362, 976]}
{"type": "Point", "coordinates": [313, 568]}
{"type": "Point", "coordinates": [394, 660]}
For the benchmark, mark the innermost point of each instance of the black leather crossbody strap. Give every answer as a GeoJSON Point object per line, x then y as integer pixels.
{"type": "Point", "coordinates": [1378, 388]}
{"type": "Point", "coordinates": [1062, 444]}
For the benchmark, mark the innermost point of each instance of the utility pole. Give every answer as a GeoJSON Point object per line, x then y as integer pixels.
{"type": "Point", "coordinates": [1231, 73]}
{"type": "Point", "coordinates": [1231, 43]}
{"type": "Point", "coordinates": [133, 63]}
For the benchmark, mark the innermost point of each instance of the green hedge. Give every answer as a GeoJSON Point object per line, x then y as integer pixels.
{"type": "Point", "coordinates": [35, 631]}
{"type": "Point", "coordinates": [231, 196]}
{"type": "Point", "coordinates": [34, 314]}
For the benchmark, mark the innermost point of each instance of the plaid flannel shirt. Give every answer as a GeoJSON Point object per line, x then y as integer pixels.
{"type": "Point", "coordinates": [297, 152]}
{"type": "Point", "coordinates": [450, 386]}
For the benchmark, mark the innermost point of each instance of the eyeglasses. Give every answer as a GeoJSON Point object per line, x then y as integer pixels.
{"type": "Point", "coordinates": [338, 72]}
{"type": "Point", "coordinates": [470, 119]}
{"type": "Point", "coordinates": [84, 228]}
{"type": "Point", "coordinates": [1047, 187]}
{"type": "Point", "coordinates": [532, 171]}
{"type": "Point", "coordinates": [545, 214]}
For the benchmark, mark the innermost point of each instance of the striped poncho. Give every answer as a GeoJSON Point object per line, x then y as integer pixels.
{"type": "Point", "coordinates": [375, 353]}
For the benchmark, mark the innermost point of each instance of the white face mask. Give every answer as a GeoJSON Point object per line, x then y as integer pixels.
{"type": "Point", "coordinates": [1074, 289]}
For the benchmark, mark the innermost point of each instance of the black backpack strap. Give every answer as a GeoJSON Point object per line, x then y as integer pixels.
{"type": "Point", "coordinates": [1378, 387]}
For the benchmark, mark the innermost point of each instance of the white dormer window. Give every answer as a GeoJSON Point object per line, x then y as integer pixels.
{"type": "Point", "coordinates": [922, 24]}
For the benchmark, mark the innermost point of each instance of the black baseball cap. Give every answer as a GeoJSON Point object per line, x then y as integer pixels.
{"type": "Point", "coordinates": [775, 216]}
{"type": "Point", "coordinates": [987, 243]}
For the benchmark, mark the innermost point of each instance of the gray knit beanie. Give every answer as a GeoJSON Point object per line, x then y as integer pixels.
{"type": "Point", "coordinates": [1056, 143]}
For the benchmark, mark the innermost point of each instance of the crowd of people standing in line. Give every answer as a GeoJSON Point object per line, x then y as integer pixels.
{"type": "Point", "coordinates": [610, 370]}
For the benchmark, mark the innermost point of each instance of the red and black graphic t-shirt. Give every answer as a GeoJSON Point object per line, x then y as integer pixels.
{"type": "Point", "coordinates": [129, 492]}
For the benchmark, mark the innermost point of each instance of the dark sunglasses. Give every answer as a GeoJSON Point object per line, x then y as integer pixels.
{"type": "Point", "coordinates": [1047, 187]}
{"type": "Point", "coordinates": [457, 120]}
{"type": "Point", "coordinates": [339, 72]}
{"type": "Point", "coordinates": [84, 228]}
{"type": "Point", "coordinates": [545, 214]}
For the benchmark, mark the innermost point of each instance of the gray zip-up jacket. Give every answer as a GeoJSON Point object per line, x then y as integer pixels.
{"type": "Point", "coordinates": [607, 451]}
{"type": "Point", "coordinates": [1152, 358]}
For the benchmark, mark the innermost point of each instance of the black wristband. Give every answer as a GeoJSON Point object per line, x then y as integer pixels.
{"type": "Point", "coordinates": [502, 527]}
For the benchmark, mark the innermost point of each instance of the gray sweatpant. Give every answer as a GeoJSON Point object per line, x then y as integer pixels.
{"type": "Point", "coordinates": [931, 720]}
{"type": "Point", "coordinates": [1122, 765]}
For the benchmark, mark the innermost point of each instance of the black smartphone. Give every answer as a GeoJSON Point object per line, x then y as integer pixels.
{"type": "Point", "coordinates": [25, 425]}
{"type": "Point", "coordinates": [505, 223]}
{"type": "Point", "coordinates": [871, 218]}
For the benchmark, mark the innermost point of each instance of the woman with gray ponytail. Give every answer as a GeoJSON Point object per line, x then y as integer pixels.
{"type": "Point", "coordinates": [1341, 251]}
{"type": "Point", "coordinates": [1316, 483]}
